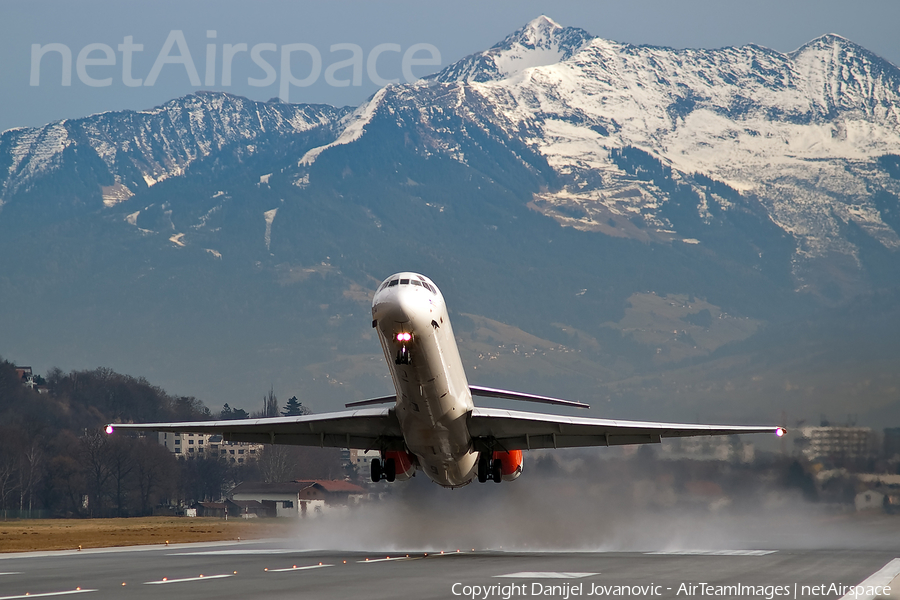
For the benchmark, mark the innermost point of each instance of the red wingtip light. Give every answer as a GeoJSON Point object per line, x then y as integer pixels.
{"type": "Point", "coordinates": [109, 429]}
{"type": "Point", "coordinates": [780, 431]}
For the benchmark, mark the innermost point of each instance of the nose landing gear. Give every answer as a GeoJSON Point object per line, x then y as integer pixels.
{"type": "Point", "coordinates": [402, 356]}
{"type": "Point", "coordinates": [403, 338]}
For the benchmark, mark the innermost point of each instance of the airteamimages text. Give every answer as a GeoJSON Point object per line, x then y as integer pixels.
{"type": "Point", "coordinates": [565, 591]}
{"type": "Point", "coordinates": [99, 65]}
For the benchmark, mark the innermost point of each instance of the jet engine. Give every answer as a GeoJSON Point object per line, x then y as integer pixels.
{"type": "Point", "coordinates": [404, 463]}
{"type": "Point", "coordinates": [510, 463]}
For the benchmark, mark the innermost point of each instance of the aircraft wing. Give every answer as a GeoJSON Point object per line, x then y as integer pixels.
{"type": "Point", "coordinates": [514, 430]}
{"type": "Point", "coordinates": [365, 428]}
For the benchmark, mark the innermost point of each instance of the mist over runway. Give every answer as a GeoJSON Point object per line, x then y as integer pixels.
{"type": "Point", "coordinates": [582, 526]}
{"type": "Point", "coordinates": [273, 570]}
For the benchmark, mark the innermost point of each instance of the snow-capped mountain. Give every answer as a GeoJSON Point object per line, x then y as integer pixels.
{"type": "Point", "coordinates": [540, 42]}
{"type": "Point", "coordinates": [592, 194]}
{"type": "Point", "coordinates": [641, 142]}
{"type": "Point", "coordinates": [140, 149]}
{"type": "Point", "coordinates": [802, 134]}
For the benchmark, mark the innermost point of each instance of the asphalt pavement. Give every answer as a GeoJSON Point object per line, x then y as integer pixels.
{"type": "Point", "coordinates": [271, 569]}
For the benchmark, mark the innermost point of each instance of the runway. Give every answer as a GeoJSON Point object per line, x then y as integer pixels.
{"type": "Point", "coordinates": [272, 570]}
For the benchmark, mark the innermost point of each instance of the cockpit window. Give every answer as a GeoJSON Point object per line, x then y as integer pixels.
{"type": "Point", "coordinates": [404, 282]}
{"type": "Point", "coordinates": [414, 282]}
{"type": "Point", "coordinates": [393, 282]}
{"type": "Point", "coordinates": [429, 287]}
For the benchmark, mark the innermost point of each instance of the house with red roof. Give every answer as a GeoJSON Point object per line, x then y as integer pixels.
{"type": "Point", "coordinates": [300, 498]}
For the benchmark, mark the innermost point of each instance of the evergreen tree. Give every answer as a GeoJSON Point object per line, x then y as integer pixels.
{"type": "Point", "coordinates": [229, 413]}
{"type": "Point", "coordinates": [294, 408]}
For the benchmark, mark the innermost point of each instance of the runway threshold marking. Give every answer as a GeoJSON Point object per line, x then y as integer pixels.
{"type": "Point", "coordinates": [711, 552]}
{"type": "Point", "coordinates": [546, 575]}
{"type": "Point", "coordinates": [879, 578]}
{"type": "Point", "coordinates": [185, 579]}
{"type": "Point", "coordinates": [47, 594]}
{"type": "Point", "coordinates": [297, 568]}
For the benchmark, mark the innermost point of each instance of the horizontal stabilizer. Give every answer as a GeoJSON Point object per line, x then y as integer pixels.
{"type": "Point", "coordinates": [382, 400]}
{"type": "Point", "coordinates": [487, 392]}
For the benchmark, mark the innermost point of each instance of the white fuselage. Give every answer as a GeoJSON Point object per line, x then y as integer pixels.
{"type": "Point", "coordinates": [433, 397]}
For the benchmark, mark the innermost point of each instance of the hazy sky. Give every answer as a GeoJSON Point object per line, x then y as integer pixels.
{"type": "Point", "coordinates": [338, 52]}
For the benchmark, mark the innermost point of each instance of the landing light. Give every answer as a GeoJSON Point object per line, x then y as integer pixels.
{"type": "Point", "coordinates": [404, 337]}
{"type": "Point", "coordinates": [109, 429]}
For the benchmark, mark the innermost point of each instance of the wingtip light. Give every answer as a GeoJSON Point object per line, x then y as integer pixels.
{"type": "Point", "coordinates": [780, 431]}
{"type": "Point", "coordinates": [109, 429]}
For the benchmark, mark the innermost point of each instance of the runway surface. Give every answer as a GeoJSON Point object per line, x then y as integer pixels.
{"type": "Point", "coordinates": [272, 570]}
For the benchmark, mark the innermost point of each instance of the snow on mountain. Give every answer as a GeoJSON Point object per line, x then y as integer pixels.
{"type": "Point", "coordinates": [540, 42]}
{"type": "Point", "coordinates": [799, 132]}
{"type": "Point", "coordinates": [795, 137]}
{"type": "Point", "coordinates": [745, 116]}
{"type": "Point", "coordinates": [153, 144]}
{"type": "Point", "coordinates": [352, 126]}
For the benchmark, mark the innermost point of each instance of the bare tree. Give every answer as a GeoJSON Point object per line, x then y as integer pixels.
{"type": "Point", "coordinates": [276, 463]}
{"type": "Point", "coordinates": [121, 465]}
{"type": "Point", "coordinates": [270, 406]}
{"type": "Point", "coordinates": [94, 454]}
{"type": "Point", "coordinates": [9, 463]}
{"type": "Point", "coordinates": [154, 468]}
{"type": "Point", "coordinates": [67, 478]}
{"type": "Point", "coordinates": [286, 463]}
{"type": "Point", "coordinates": [30, 472]}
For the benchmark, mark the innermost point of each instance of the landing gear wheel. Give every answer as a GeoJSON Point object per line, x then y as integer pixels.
{"type": "Point", "coordinates": [376, 470]}
{"type": "Point", "coordinates": [482, 470]}
{"type": "Point", "coordinates": [496, 471]}
{"type": "Point", "coordinates": [390, 469]}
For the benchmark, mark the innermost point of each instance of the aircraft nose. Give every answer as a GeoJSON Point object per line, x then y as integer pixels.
{"type": "Point", "coordinates": [407, 305]}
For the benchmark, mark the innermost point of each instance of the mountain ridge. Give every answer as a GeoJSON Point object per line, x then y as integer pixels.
{"type": "Point", "coordinates": [576, 201]}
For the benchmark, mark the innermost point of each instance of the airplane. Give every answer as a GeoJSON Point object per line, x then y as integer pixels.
{"type": "Point", "coordinates": [433, 425]}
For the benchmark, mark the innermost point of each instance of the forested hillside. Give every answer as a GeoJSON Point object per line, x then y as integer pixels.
{"type": "Point", "coordinates": [55, 459]}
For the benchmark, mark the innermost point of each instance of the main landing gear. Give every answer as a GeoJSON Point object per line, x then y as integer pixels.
{"type": "Point", "coordinates": [489, 468]}
{"type": "Point", "coordinates": [386, 470]}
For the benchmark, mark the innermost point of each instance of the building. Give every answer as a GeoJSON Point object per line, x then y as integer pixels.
{"type": "Point", "coordinates": [830, 442]}
{"type": "Point", "coordinates": [299, 498]}
{"type": "Point", "coordinates": [869, 500]}
{"type": "Point", "coordinates": [210, 509]}
{"type": "Point", "coordinates": [201, 445]}
{"type": "Point", "coordinates": [25, 375]}
{"type": "Point", "coordinates": [731, 449]}
{"type": "Point", "coordinates": [892, 442]}
{"type": "Point", "coordinates": [361, 459]}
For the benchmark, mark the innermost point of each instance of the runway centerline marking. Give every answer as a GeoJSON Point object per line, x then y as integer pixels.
{"type": "Point", "coordinates": [879, 578]}
{"type": "Point", "coordinates": [546, 575]}
{"type": "Point", "coordinates": [47, 594]}
{"type": "Point", "coordinates": [375, 560]}
{"type": "Point", "coordinates": [297, 568]}
{"type": "Point", "coordinates": [185, 579]}
{"type": "Point", "coordinates": [711, 552]}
